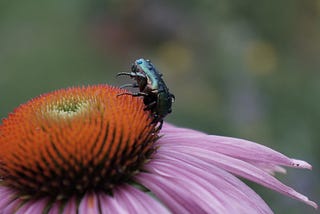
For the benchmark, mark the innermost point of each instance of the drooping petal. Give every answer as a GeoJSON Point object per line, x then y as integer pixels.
{"type": "Point", "coordinates": [89, 204]}
{"type": "Point", "coordinates": [176, 196]}
{"type": "Point", "coordinates": [110, 205]}
{"type": "Point", "coordinates": [6, 196]}
{"type": "Point", "coordinates": [55, 208]}
{"type": "Point", "coordinates": [137, 201]}
{"type": "Point", "coordinates": [71, 206]}
{"type": "Point", "coordinates": [127, 199]}
{"type": "Point", "coordinates": [12, 207]}
{"type": "Point", "coordinates": [233, 165]}
{"type": "Point", "coordinates": [238, 148]}
{"type": "Point", "coordinates": [9, 202]}
{"type": "Point", "coordinates": [33, 207]}
{"type": "Point", "coordinates": [199, 177]}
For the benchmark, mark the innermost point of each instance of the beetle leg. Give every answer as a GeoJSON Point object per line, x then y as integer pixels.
{"type": "Point", "coordinates": [132, 74]}
{"type": "Point", "coordinates": [125, 74]}
{"type": "Point", "coordinates": [150, 105]}
{"type": "Point", "coordinates": [138, 94]}
{"type": "Point", "coordinates": [133, 85]}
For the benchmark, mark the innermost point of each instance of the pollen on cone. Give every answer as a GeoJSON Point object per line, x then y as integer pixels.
{"type": "Point", "coordinates": [75, 140]}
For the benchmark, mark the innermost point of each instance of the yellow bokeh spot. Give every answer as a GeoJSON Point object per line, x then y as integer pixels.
{"type": "Point", "coordinates": [177, 56]}
{"type": "Point", "coordinates": [261, 58]}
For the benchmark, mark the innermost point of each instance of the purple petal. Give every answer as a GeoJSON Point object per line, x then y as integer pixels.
{"type": "Point", "coordinates": [89, 204]}
{"type": "Point", "coordinates": [55, 208]}
{"type": "Point", "coordinates": [9, 203]}
{"type": "Point", "coordinates": [175, 196]}
{"type": "Point", "coordinates": [33, 207]}
{"type": "Point", "coordinates": [110, 205]}
{"type": "Point", "coordinates": [138, 201]}
{"type": "Point", "coordinates": [214, 186]}
{"type": "Point", "coordinates": [238, 148]}
{"type": "Point", "coordinates": [12, 207]}
{"type": "Point", "coordinates": [6, 196]}
{"type": "Point", "coordinates": [233, 165]}
{"type": "Point", "coordinates": [71, 206]}
{"type": "Point", "coordinates": [127, 199]}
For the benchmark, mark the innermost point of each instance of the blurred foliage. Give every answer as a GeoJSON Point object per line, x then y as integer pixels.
{"type": "Point", "coordinates": [248, 69]}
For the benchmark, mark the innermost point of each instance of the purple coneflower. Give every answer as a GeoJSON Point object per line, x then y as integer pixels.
{"type": "Point", "coordinates": [85, 150]}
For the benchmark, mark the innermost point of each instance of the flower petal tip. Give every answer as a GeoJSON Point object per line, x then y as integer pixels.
{"type": "Point", "coordinates": [302, 198]}
{"type": "Point", "coordinates": [313, 204]}
{"type": "Point", "coordinates": [300, 164]}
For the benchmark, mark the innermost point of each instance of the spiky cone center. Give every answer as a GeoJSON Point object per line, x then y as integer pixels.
{"type": "Point", "coordinates": [75, 140]}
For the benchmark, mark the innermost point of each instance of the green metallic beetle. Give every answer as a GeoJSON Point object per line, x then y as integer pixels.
{"type": "Point", "coordinates": [152, 88]}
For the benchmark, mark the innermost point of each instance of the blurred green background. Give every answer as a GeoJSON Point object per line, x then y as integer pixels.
{"type": "Point", "coordinates": [247, 69]}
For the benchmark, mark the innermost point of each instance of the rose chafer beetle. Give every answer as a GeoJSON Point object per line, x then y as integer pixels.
{"type": "Point", "coordinates": [152, 88]}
